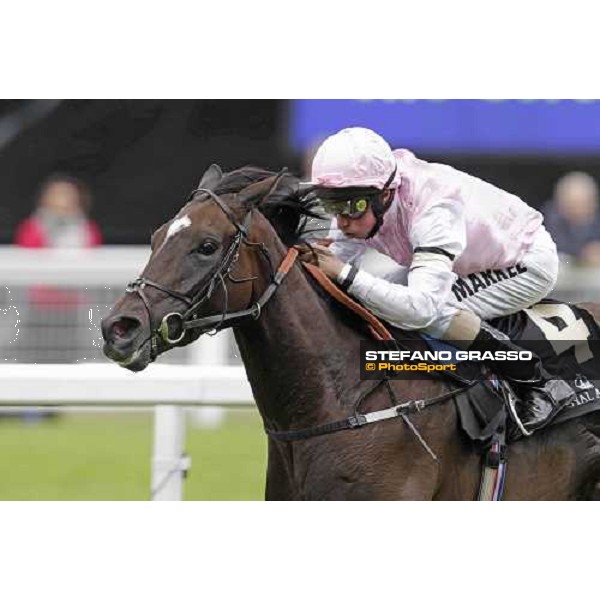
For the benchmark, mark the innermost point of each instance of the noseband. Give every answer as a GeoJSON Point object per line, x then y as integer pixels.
{"type": "Point", "coordinates": [183, 322]}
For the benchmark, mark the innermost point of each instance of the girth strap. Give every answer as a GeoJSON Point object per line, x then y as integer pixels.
{"type": "Point", "coordinates": [358, 420]}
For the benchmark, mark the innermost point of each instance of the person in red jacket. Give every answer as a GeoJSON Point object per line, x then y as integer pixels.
{"type": "Point", "coordinates": [60, 219]}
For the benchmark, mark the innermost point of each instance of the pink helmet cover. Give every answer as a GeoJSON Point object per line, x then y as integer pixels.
{"type": "Point", "coordinates": [353, 157]}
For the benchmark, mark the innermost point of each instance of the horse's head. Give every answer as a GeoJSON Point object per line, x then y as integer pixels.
{"type": "Point", "coordinates": [206, 265]}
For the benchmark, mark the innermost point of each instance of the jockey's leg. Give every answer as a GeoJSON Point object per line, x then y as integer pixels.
{"type": "Point", "coordinates": [499, 293]}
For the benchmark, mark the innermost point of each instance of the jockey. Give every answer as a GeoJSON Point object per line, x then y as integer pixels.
{"type": "Point", "coordinates": [463, 251]}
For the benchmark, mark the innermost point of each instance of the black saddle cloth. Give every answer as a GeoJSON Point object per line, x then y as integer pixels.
{"type": "Point", "coordinates": [566, 338]}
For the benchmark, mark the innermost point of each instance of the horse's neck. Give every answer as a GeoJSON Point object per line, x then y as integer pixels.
{"type": "Point", "coordinates": [297, 356]}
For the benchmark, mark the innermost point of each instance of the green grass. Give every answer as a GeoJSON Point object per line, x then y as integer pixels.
{"type": "Point", "coordinates": [87, 456]}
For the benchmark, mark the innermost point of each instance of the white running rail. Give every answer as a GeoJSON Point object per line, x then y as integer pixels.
{"type": "Point", "coordinates": [167, 388]}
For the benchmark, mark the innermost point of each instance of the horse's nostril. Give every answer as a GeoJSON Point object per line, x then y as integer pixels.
{"type": "Point", "coordinates": [124, 327]}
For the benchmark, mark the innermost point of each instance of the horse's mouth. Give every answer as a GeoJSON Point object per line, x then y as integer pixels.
{"type": "Point", "coordinates": [135, 361]}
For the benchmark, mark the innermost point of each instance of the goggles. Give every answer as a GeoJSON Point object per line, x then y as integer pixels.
{"type": "Point", "coordinates": [354, 208]}
{"type": "Point", "coordinates": [351, 202]}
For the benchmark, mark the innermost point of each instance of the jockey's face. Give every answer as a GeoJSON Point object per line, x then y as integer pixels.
{"type": "Point", "coordinates": [361, 227]}
{"type": "Point", "coordinates": [357, 228]}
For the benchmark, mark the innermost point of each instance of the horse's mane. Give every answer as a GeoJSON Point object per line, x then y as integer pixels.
{"type": "Point", "coordinates": [286, 208]}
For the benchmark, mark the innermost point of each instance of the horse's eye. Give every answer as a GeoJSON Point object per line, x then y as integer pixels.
{"type": "Point", "coordinates": [207, 248]}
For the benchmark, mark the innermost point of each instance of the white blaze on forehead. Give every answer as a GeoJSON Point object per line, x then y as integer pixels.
{"type": "Point", "coordinates": [177, 225]}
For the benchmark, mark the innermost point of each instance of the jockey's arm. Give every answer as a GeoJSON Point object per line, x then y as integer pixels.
{"type": "Point", "coordinates": [438, 237]}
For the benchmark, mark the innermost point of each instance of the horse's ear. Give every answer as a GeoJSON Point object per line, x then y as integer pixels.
{"type": "Point", "coordinates": [282, 185]}
{"type": "Point", "coordinates": [211, 178]}
{"type": "Point", "coordinates": [255, 191]}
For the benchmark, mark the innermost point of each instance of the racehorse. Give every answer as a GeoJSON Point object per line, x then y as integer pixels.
{"type": "Point", "coordinates": [224, 261]}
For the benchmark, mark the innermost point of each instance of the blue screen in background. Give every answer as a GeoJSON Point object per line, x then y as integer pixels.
{"type": "Point", "coordinates": [460, 126]}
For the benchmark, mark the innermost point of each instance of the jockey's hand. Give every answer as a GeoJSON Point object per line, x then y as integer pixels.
{"type": "Point", "coordinates": [318, 254]}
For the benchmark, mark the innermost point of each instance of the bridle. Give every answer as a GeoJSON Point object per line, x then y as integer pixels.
{"type": "Point", "coordinates": [183, 322]}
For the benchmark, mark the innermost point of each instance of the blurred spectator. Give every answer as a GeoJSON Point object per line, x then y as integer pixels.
{"type": "Point", "coordinates": [60, 219]}
{"type": "Point", "coordinates": [573, 218]}
{"type": "Point", "coordinates": [51, 314]}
